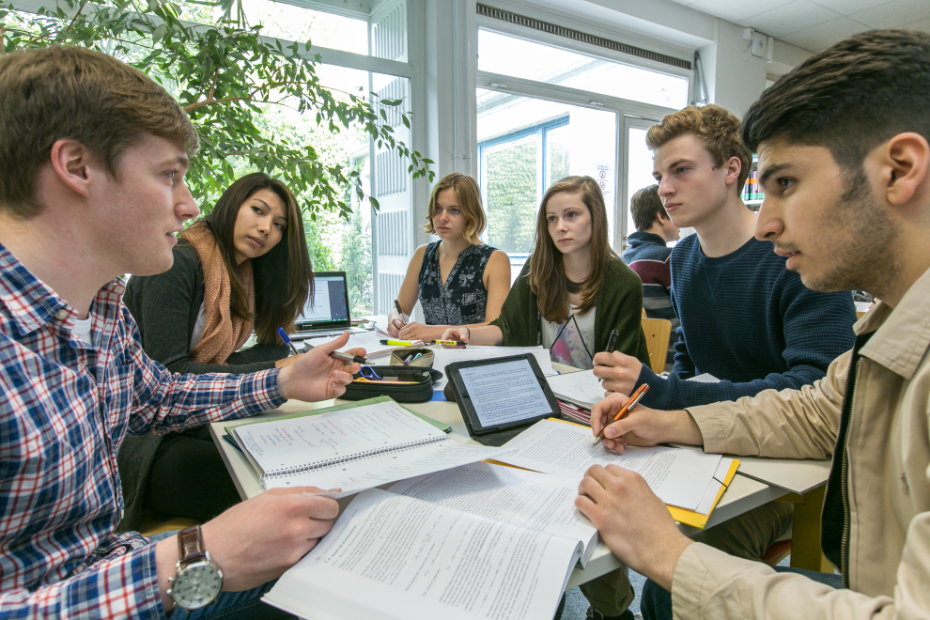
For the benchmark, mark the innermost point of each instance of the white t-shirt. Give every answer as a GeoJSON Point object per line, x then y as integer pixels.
{"type": "Point", "coordinates": [199, 324]}
{"type": "Point", "coordinates": [81, 330]}
{"type": "Point", "coordinates": [578, 332]}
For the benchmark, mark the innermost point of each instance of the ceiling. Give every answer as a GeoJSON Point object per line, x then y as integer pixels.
{"type": "Point", "coordinates": [816, 25]}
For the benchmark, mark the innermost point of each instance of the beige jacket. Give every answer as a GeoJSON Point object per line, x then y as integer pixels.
{"type": "Point", "coordinates": [888, 480]}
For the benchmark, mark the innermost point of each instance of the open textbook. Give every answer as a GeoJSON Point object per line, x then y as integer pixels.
{"type": "Point", "coordinates": [687, 479]}
{"type": "Point", "coordinates": [351, 449]}
{"type": "Point", "coordinates": [475, 542]}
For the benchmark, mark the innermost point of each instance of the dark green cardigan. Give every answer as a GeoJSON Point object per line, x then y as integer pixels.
{"type": "Point", "coordinates": [165, 307]}
{"type": "Point", "coordinates": [619, 306]}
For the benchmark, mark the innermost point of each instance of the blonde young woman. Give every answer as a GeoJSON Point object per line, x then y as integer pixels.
{"type": "Point", "coordinates": [574, 290]}
{"type": "Point", "coordinates": [458, 279]}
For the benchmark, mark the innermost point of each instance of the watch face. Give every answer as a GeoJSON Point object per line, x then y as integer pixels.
{"type": "Point", "coordinates": [197, 585]}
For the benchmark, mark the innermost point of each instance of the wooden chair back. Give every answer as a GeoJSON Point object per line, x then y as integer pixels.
{"type": "Point", "coordinates": [657, 332]}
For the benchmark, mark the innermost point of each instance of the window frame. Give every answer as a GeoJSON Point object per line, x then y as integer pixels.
{"type": "Point", "coordinates": [623, 108]}
{"type": "Point", "coordinates": [541, 131]}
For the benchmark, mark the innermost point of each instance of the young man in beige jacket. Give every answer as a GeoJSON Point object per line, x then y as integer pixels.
{"type": "Point", "coordinates": [844, 158]}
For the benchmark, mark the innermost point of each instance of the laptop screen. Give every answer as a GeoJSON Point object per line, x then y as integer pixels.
{"type": "Point", "coordinates": [328, 307]}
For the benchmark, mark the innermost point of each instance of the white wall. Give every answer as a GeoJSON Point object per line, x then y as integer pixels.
{"type": "Point", "coordinates": [735, 78]}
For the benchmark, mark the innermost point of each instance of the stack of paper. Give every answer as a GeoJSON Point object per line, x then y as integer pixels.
{"type": "Point", "coordinates": [577, 392]}
{"type": "Point", "coordinates": [683, 478]}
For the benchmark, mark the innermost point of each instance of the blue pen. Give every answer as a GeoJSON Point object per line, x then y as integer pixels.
{"type": "Point", "coordinates": [287, 341]}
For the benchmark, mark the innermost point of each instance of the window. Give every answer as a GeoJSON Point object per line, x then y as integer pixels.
{"type": "Point", "coordinates": [569, 112]}
{"type": "Point", "coordinates": [372, 247]}
{"type": "Point", "coordinates": [291, 23]}
{"type": "Point", "coordinates": [524, 146]}
{"type": "Point", "coordinates": [506, 55]}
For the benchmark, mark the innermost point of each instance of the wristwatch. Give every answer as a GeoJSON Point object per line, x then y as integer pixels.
{"type": "Point", "coordinates": [198, 579]}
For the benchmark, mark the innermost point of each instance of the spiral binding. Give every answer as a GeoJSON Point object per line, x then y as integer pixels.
{"type": "Point", "coordinates": [358, 456]}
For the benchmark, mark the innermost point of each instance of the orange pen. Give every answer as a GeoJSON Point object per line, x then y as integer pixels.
{"type": "Point", "coordinates": [635, 398]}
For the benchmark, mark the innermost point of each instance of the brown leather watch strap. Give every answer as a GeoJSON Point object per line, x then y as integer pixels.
{"type": "Point", "coordinates": [190, 545]}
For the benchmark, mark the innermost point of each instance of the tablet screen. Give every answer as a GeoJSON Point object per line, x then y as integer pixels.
{"type": "Point", "coordinates": [504, 393]}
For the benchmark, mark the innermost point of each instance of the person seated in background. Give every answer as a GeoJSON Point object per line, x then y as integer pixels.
{"type": "Point", "coordinates": [650, 257]}
{"type": "Point", "coordinates": [459, 280]}
{"type": "Point", "coordinates": [844, 159]}
{"type": "Point", "coordinates": [745, 319]}
{"type": "Point", "coordinates": [573, 290]}
{"type": "Point", "coordinates": [94, 154]}
{"type": "Point", "coordinates": [243, 266]}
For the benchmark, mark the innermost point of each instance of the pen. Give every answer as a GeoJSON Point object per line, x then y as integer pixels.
{"type": "Point", "coordinates": [612, 341]}
{"type": "Point", "coordinates": [397, 305]}
{"type": "Point", "coordinates": [454, 343]}
{"type": "Point", "coordinates": [339, 355]}
{"type": "Point", "coordinates": [410, 359]}
{"type": "Point", "coordinates": [635, 398]}
{"type": "Point", "coordinates": [379, 381]}
{"type": "Point", "coordinates": [287, 341]}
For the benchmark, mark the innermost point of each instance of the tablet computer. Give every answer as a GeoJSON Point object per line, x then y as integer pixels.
{"type": "Point", "coordinates": [500, 397]}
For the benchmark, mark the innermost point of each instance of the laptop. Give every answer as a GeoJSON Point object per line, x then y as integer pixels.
{"type": "Point", "coordinates": [327, 310]}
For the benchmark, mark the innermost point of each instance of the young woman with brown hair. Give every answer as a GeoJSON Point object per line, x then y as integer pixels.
{"type": "Point", "coordinates": [244, 266]}
{"type": "Point", "coordinates": [574, 290]}
{"type": "Point", "coordinates": [458, 279]}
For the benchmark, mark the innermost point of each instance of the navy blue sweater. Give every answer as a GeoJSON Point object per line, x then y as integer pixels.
{"type": "Point", "coordinates": [748, 321]}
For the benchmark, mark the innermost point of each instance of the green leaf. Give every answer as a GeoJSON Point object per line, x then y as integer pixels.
{"type": "Point", "coordinates": [159, 33]}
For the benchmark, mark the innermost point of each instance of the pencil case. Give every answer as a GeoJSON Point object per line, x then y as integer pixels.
{"type": "Point", "coordinates": [417, 386]}
{"type": "Point", "coordinates": [424, 357]}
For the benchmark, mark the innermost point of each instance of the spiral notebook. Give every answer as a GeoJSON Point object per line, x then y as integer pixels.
{"type": "Point", "coordinates": [351, 449]}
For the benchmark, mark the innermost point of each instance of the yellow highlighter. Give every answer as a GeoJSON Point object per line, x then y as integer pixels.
{"type": "Point", "coordinates": [400, 343]}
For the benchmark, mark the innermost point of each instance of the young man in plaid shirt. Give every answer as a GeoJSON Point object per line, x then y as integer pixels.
{"type": "Point", "coordinates": [93, 155]}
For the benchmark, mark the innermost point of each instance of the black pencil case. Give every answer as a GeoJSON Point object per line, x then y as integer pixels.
{"type": "Point", "coordinates": [420, 388]}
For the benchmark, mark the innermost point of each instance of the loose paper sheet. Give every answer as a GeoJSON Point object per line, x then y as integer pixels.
{"type": "Point", "coordinates": [678, 477]}
{"type": "Point", "coordinates": [525, 498]}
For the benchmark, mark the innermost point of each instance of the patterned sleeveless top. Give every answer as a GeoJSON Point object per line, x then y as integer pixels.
{"type": "Point", "coordinates": [464, 299]}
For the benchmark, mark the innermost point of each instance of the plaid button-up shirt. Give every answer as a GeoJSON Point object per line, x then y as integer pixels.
{"type": "Point", "coordinates": [65, 407]}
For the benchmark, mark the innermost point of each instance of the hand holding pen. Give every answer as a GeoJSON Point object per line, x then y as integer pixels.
{"type": "Point", "coordinates": [634, 398]}
{"type": "Point", "coordinates": [319, 374]}
{"type": "Point", "coordinates": [339, 355]}
{"type": "Point", "coordinates": [396, 323]}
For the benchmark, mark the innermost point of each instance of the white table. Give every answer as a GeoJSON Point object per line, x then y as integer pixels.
{"type": "Point", "coordinates": [743, 494]}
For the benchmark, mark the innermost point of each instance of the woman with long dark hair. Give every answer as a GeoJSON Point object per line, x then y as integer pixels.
{"type": "Point", "coordinates": [574, 290]}
{"type": "Point", "coordinates": [244, 266]}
